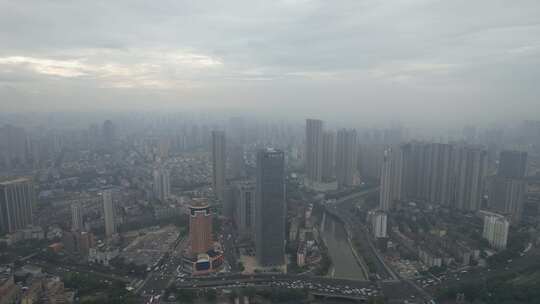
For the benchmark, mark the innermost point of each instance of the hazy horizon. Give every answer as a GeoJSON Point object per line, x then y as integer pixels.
{"type": "Point", "coordinates": [411, 62]}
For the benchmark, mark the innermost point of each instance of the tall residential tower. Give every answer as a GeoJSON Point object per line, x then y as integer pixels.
{"type": "Point", "coordinates": [16, 203]}
{"type": "Point", "coordinates": [329, 156]}
{"type": "Point", "coordinates": [162, 184]}
{"type": "Point", "coordinates": [314, 149]}
{"type": "Point", "coordinates": [509, 186]}
{"type": "Point", "coordinates": [108, 213]}
{"type": "Point", "coordinates": [346, 157]}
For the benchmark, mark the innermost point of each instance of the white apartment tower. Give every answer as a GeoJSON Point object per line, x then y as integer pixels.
{"type": "Point", "coordinates": [496, 230]}
{"type": "Point", "coordinates": [162, 184]}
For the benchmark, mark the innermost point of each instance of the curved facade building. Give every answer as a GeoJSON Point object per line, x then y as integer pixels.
{"type": "Point", "coordinates": [200, 227]}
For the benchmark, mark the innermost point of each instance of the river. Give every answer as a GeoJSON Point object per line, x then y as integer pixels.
{"type": "Point", "coordinates": [344, 265]}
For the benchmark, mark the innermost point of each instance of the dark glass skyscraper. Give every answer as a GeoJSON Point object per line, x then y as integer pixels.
{"type": "Point", "coordinates": [218, 164]}
{"type": "Point", "coordinates": [314, 149]}
{"type": "Point", "coordinates": [270, 208]}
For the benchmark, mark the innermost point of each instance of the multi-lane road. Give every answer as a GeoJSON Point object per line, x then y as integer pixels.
{"type": "Point", "coordinates": [319, 285]}
{"type": "Point", "coordinates": [165, 273]}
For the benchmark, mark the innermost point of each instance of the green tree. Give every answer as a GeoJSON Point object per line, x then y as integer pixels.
{"type": "Point", "coordinates": [186, 295]}
{"type": "Point", "coordinates": [211, 295]}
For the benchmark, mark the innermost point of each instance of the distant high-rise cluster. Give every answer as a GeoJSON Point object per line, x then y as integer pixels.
{"type": "Point", "coordinates": [16, 204]}
{"type": "Point", "coordinates": [108, 132]}
{"type": "Point", "coordinates": [447, 174]}
{"type": "Point", "coordinates": [218, 163]}
{"type": "Point", "coordinates": [270, 207]}
{"type": "Point", "coordinates": [330, 157]}
{"type": "Point", "coordinates": [14, 147]}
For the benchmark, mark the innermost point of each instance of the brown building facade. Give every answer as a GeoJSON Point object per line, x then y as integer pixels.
{"type": "Point", "coordinates": [200, 227]}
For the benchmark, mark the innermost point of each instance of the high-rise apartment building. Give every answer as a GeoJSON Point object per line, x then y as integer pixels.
{"type": "Point", "coordinates": [444, 174]}
{"type": "Point", "coordinates": [270, 207]}
{"type": "Point", "coordinates": [428, 171]}
{"type": "Point", "coordinates": [507, 196]}
{"type": "Point", "coordinates": [162, 184]}
{"type": "Point", "coordinates": [13, 146]}
{"type": "Point", "coordinates": [245, 208]}
{"type": "Point", "coordinates": [77, 216]}
{"type": "Point", "coordinates": [496, 230]}
{"type": "Point", "coordinates": [378, 221]}
{"type": "Point", "coordinates": [200, 227]}
{"type": "Point", "coordinates": [388, 185]}
{"type": "Point", "coordinates": [508, 186]}
{"type": "Point", "coordinates": [439, 176]}
{"type": "Point", "coordinates": [16, 204]}
{"type": "Point", "coordinates": [218, 163]}
{"type": "Point", "coordinates": [329, 156]}
{"type": "Point", "coordinates": [471, 167]}
{"type": "Point", "coordinates": [346, 157]}
{"type": "Point", "coordinates": [314, 150]}
{"type": "Point", "coordinates": [109, 213]}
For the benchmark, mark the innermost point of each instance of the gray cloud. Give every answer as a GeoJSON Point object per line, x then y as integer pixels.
{"type": "Point", "coordinates": [402, 59]}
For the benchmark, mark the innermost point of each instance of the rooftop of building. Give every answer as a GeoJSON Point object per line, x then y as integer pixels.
{"type": "Point", "coordinates": [199, 203]}
{"type": "Point", "coordinates": [271, 150]}
{"type": "Point", "coordinates": [10, 181]}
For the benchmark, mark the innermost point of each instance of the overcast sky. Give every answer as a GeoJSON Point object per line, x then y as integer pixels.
{"type": "Point", "coordinates": [404, 60]}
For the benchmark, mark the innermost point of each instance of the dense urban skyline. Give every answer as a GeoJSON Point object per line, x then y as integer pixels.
{"type": "Point", "coordinates": [287, 151]}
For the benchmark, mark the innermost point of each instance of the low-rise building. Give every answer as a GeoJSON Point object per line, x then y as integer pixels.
{"type": "Point", "coordinates": [9, 292]}
{"type": "Point", "coordinates": [28, 233]}
{"type": "Point", "coordinates": [102, 255]}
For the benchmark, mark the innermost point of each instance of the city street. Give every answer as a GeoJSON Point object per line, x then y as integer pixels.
{"type": "Point", "coordinates": [158, 279]}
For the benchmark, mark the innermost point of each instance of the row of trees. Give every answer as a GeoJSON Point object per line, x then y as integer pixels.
{"type": "Point", "coordinates": [507, 287]}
